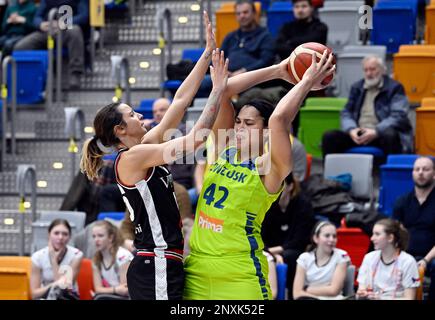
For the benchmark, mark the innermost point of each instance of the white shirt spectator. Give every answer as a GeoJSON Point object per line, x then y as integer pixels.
{"type": "Point", "coordinates": [389, 281]}
{"type": "Point", "coordinates": [41, 259]}
{"type": "Point", "coordinates": [321, 275]}
{"type": "Point", "coordinates": [110, 276]}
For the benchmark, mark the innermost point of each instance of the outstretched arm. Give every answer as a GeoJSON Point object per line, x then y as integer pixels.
{"type": "Point", "coordinates": [138, 159]}
{"type": "Point", "coordinates": [186, 92]}
{"type": "Point", "coordinates": [237, 84]}
{"type": "Point", "coordinates": [280, 123]}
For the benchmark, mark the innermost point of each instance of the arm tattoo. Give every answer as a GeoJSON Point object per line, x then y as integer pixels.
{"type": "Point", "coordinates": [210, 112]}
{"type": "Point", "coordinates": [207, 55]}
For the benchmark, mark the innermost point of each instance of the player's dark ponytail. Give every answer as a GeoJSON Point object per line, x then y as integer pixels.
{"type": "Point", "coordinates": [104, 140]}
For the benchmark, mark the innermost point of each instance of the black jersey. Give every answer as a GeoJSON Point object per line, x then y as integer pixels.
{"type": "Point", "coordinates": [153, 208]}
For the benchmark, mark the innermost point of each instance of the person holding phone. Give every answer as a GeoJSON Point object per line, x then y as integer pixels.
{"type": "Point", "coordinates": [376, 114]}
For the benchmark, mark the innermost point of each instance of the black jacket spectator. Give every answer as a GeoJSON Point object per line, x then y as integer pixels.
{"type": "Point", "coordinates": [290, 229]}
{"type": "Point", "coordinates": [297, 32]}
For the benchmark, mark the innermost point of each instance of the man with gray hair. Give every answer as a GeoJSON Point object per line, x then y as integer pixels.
{"type": "Point", "coordinates": [376, 114]}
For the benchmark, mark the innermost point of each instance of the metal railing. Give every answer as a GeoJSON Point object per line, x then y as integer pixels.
{"type": "Point", "coordinates": [50, 46]}
{"type": "Point", "coordinates": [165, 17]}
{"type": "Point", "coordinates": [96, 20]}
{"type": "Point", "coordinates": [26, 174]}
{"type": "Point", "coordinates": [201, 21]}
{"type": "Point", "coordinates": [74, 130]}
{"type": "Point", "coordinates": [121, 73]}
{"type": "Point", "coordinates": [4, 93]}
{"type": "Point", "coordinates": [59, 46]}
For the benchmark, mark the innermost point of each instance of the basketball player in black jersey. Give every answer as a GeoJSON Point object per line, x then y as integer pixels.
{"type": "Point", "coordinates": [156, 272]}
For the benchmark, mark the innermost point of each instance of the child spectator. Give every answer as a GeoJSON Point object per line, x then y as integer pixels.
{"type": "Point", "coordinates": [110, 263]}
{"type": "Point", "coordinates": [55, 267]}
{"type": "Point", "coordinates": [388, 272]}
{"type": "Point", "coordinates": [321, 271]}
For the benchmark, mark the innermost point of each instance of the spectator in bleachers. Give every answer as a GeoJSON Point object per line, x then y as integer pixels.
{"type": "Point", "coordinates": [250, 47]}
{"type": "Point", "coordinates": [55, 267]}
{"type": "Point", "coordinates": [388, 272]}
{"type": "Point", "coordinates": [416, 211]}
{"type": "Point", "coordinates": [321, 271]}
{"type": "Point", "coordinates": [376, 114]}
{"type": "Point", "coordinates": [17, 23]}
{"type": "Point", "coordinates": [160, 106]}
{"type": "Point", "coordinates": [305, 28]}
{"type": "Point", "coordinates": [110, 263]}
{"type": "Point", "coordinates": [287, 226]}
{"type": "Point", "coordinates": [72, 37]}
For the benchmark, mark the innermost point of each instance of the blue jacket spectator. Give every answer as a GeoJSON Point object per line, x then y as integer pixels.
{"type": "Point", "coordinates": [80, 11]}
{"type": "Point", "coordinates": [249, 50]}
{"type": "Point", "coordinates": [376, 114]}
{"type": "Point", "coordinates": [72, 36]}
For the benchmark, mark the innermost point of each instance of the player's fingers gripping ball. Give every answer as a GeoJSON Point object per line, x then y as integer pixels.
{"type": "Point", "coordinates": [301, 59]}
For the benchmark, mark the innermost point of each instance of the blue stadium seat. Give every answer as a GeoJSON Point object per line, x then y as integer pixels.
{"type": "Point", "coordinates": [146, 108]}
{"type": "Point", "coordinates": [30, 65]}
{"type": "Point", "coordinates": [375, 152]}
{"type": "Point", "coordinates": [281, 274]}
{"type": "Point", "coordinates": [279, 13]}
{"type": "Point", "coordinates": [396, 180]}
{"type": "Point", "coordinates": [394, 23]}
{"type": "Point", "coordinates": [265, 4]}
{"type": "Point", "coordinates": [111, 215]}
{"type": "Point", "coordinates": [114, 6]}
{"type": "Point", "coordinates": [193, 55]}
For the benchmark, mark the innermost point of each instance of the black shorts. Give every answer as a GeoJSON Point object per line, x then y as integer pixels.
{"type": "Point", "coordinates": [153, 278]}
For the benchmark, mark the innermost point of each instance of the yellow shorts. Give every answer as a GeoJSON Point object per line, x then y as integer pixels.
{"type": "Point", "coordinates": [227, 278]}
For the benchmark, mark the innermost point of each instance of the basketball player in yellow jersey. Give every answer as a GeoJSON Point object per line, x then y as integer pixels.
{"type": "Point", "coordinates": [226, 260]}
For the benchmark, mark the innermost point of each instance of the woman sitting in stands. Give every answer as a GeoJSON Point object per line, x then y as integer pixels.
{"type": "Point", "coordinates": [388, 272]}
{"type": "Point", "coordinates": [320, 272]}
{"type": "Point", "coordinates": [110, 263]}
{"type": "Point", "coordinates": [55, 267]}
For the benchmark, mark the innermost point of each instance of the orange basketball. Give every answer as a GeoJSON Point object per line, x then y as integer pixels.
{"type": "Point", "coordinates": [300, 61]}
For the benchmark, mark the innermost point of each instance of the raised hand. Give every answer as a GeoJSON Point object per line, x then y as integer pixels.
{"type": "Point", "coordinates": [319, 70]}
{"type": "Point", "coordinates": [283, 70]}
{"type": "Point", "coordinates": [219, 70]}
{"type": "Point", "coordinates": [210, 37]}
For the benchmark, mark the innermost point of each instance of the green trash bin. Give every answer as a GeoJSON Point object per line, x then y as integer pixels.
{"type": "Point", "coordinates": [326, 102]}
{"type": "Point", "coordinates": [313, 123]}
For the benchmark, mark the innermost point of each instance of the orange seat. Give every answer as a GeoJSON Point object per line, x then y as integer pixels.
{"type": "Point", "coordinates": [85, 280]}
{"type": "Point", "coordinates": [15, 278]}
{"type": "Point", "coordinates": [309, 162]}
{"type": "Point", "coordinates": [425, 122]}
{"type": "Point", "coordinates": [354, 241]}
{"type": "Point", "coordinates": [226, 20]}
{"type": "Point", "coordinates": [429, 35]}
{"type": "Point", "coordinates": [419, 294]}
{"type": "Point", "coordinates": [414, 68]}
